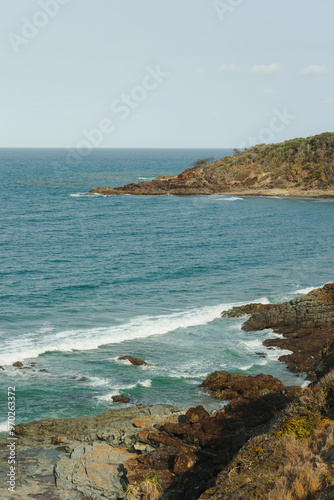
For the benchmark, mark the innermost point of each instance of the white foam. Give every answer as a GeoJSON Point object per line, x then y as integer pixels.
{"type": "Point", "coordinates": [146, 383]}
{"type": "Point", "coordinates": [32, 345]}
{"type": "Point", "coordinates": [107, 397]}
{"type": "Point", "coordinates": [262, 300]}
{"type": "Point", "coordinates": [251, 344]}
{"type": "Point", "coordinates": [276, 352]}
{"type": "Point", "coordinates": [120, 361]}
{"type": "Point", "coordinates": [257, 363]}
{"type": "Point", "coordinates": [86, 195]}
{"type": "Point", "coordinates": [218, 197]}
{"type": "Point", "coordinates": [304, 291]}
{"type": "Point", "coordinates": [4, 426]}
{"type": "Point", "coordinates": [96, 381]}
{"type": "Point", "coordinates": [120, 388]}
{"type": "Point", "coordinates": [230, 198]}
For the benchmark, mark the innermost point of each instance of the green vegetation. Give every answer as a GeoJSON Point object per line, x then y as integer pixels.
{"type": "Point", "coordinates": [148, 489]}
{"type": "Point", "coordinates": [200, 163]}
{"type": "Point", "coordinates": [298, 163]}
{"type": "Point", "coordinates": [300, 428]}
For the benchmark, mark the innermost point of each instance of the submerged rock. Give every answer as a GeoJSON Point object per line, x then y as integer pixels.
{"type": "Point", "coordinates": [18, 364]}
{"type": "Point", "coordinates": [133, 361]}
{"type": "Point", "coordinates": [120, 399]}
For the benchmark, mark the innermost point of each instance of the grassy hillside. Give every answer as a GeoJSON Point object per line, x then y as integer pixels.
{"type": "Point", "coordinates": [296, 166]}
{"type": "Point", "coordinates": [298, 163]}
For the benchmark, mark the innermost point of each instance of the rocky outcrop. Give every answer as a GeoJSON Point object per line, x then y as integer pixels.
{"type": "Point", "coordinates": [225, 386]}
{"type": "Point", "coordinates": [189, 454]}
{"type": "Point", "coordinates": [300, 167]}
{"type": "Point", "coordinates": [115, 427]}
{"type": "Point", "coordinates": [83, 457]}
{"type": "Point", "coordinates": [307, 323]}
{"type": "Point", "coordinates": [98, 471]}
{"type": "Point", "coordinates": [314, 310]}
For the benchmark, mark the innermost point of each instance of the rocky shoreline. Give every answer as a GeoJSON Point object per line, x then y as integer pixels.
{"type": "Point", "coordinates": [296, 168]}
{"type": "Point", "coordinates": [155, 189]}
{"type": "Point", "coordinates": [191, 454]}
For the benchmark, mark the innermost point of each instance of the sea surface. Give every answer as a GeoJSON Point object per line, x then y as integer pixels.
{"type": "Point", "coordinates": [85, 279]}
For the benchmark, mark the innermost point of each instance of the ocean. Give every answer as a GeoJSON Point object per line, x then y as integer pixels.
{"type": "Point", "coordinates": [85, 279]}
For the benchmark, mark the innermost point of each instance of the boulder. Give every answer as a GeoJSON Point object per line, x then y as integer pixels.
{"type": "Point", "coordinates": [18, 364]}
{"type": "Point", "coordinates": [120, 399]}
{"type": "Point", "coordinates": [184, 462]}
{"type": "Point", "coordinates": [195, 415]}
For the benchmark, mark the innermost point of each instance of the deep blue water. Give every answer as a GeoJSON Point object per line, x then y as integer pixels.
{"type": "Point", "coordinates": [86, 278]}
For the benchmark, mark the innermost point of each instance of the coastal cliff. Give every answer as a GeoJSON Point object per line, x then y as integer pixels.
{"type": "Point", "coordinates": [269, 441]}
{"type": "Point", "coordinates": [298, 167]}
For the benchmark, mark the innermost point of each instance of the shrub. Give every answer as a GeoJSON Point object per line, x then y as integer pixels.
{"type": "Point", "coordinates": [148, 489]}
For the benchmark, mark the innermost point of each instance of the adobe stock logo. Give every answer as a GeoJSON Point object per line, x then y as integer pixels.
{"type": "Point", "coordinates": [120, 110]}
{"type": "Point", "coordinates": [278, 122]}
{"type": "Point", "coordinates": [224, 7]}
{"type": "Point", "coordinates": [31, 27]}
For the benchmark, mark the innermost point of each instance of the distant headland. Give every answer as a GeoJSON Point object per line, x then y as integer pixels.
{"type": "Point", "coordinates": [296, 168]}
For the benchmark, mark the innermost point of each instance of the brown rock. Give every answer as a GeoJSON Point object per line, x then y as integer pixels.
{"type": "Point", "coordinates": [184, 462]}
{"type": "Point", "coordinates": [133, 361]}
{"type": "Point", "coordinates": [237, 312]}
{"type": "Point", "coordinates": [57, 440]}
{"type": "Point", "coordinates": [120, 399]}
{"type": "Point", "coordinates": [226, 394]}
{"type": "Point", "coordinates": [195, 415]}
{"type": "Point", "coordinates": [227, 386]}
{"type": "Point", "coordinates": [157, 439]}
{"type": "Point", "coordinates": [216, 381]}
{"type": "Point", "coordinates": [314, 310]}
{"type": "Point", "coordinates": [143, 422]}
{"type": "Point", "coordinates": [307, 323]}
{"type": "Point", "coordinates": [18, 364]}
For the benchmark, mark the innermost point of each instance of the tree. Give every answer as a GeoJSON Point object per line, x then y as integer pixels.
{"type": "Point", "coordinates": [200, 163]}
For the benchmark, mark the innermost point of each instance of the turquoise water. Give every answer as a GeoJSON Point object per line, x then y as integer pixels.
{"type": "Point", "coordinates": [85, 279]}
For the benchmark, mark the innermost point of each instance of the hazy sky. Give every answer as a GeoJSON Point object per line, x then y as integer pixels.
{"type": "Point", "coordinates": [164, 73]}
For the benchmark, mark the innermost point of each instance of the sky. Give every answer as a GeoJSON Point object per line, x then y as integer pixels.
{"type": "Point", "coordinates": [164, 73]}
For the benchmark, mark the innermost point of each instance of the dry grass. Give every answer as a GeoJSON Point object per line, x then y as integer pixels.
{"type": "Point", "coordinates": [148, 489]}
{"type": "Point", "coordinates": [326, 380]}
{"type": "Point", "coordinates": [305, 465]}
{"type": "Point", "coordinates": [314, 396]}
